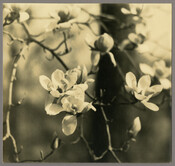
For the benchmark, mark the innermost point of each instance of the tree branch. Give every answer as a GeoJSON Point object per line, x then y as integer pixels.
{"type": "Point", "coordinates": [40, 160]}
{"type": "Point", "coordinates": [44, 47]}
{"type": "Point", "coordinates": [110, 148]}
{"type": "Point", "coordinates": [10, 104]}
{"type": "Point", "coordinates": [13, 38]}
{"type": "Point", "coordinates": [91, 152]}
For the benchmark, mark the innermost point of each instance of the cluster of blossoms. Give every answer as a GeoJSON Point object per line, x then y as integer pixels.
{"type": "Point", "coordinates": [158, 70]}
{"type": "Point", "coordinates": [67, 93]}
{"type": "Point", "coordinates": [99, 47]}
{"type": "Point", "coordinates": [64, 18]}
{"type": "Point", "coordinates": [137, 11]}
{"type": "Point", "coordinates": [134, 9]}
{"type": "Point", "coordinates": [143, 91]}
{"type": "Point", "coordinates": [135, 39]}
{"type": "Point", "coordinates": [14, 12]}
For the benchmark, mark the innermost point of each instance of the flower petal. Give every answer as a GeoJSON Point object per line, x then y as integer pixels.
{"type": "Point", "coordinates": [54, 14]}
{"type": "Point", "coordinates": [88, 106]}
{"type": "Point", "coordinates": [56, 77]}
{"type": "Point", "coordinates": [112, 59]}
{"type": "Point", "coordinates": [156, 89]}
{"type": "Point", "coordinates": [133, 37]}
{"type": "Point", "coordinates": [139, 96]}
{"type": "Point", "coordinates": [55, 93]}
{"type": "Point", "coordinates": [51, 108]}
{"type": "Point", "coordinates": [89, 81]}
{"type": "Point", "coordinates": [125, 11]}
{"type": "Point", "coordinates": [84, 74]}
{"type": "Point", "coordinates": [63, 26]}
{"type": "Point", "coordinates": [51, 26]}
{"type": "Point", "coordinates": [159, 63]}
{"type": "Point", "coordinates": [23, 16]}
{"type": "Point", "coordinates": [144, 82]}
{"type": "Point", "coordinates": [78, 91]}
{"type": "Point", "coordinates": [150, 105]}
{"type": "Point", "coordinates": [69, 124]}
{"type": "Point", "coordinates": [83, 87]}
{"type": "Point", "coordinates": [67, 106]}
{"type": "Point", "coordinates": [165, 83]}
{"type": "Point", "coordinates": [146, 69]}
{"type": "Point", "coordinates": [95, 58]}
{"type": "Point", "coordinates": [131, 80]}
{"type": "Point", "coordinates": [72, 79]}
{"type": "Point", "coordinates": [89, 40]}
{"type": "Point", "coordinates": [128, 89]}
{"type": "Point", "coordinates": [45, 82]}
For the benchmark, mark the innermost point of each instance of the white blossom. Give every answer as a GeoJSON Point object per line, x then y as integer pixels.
{"type": "Point", "coordinates": [142, 91]}
{"type": "Point", "coordinates": [160, 71]}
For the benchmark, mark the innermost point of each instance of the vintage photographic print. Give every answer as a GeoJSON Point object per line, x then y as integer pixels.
{"type": "Point", "coordinates": [87, 82]}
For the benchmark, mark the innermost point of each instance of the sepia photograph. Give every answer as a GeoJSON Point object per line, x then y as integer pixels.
{"type": "Point", "coordinates": [87, 82]}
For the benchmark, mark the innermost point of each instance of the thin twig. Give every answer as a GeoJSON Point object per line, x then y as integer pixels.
{"type": "Point", "coordinates": [10, 104]}
{"type": "Point", "coordinates": [13, 38]}
{"type": "Point", "coordinates": [91, 97]}
{"type": "Point", "coordinates": [44, 47]}
{"type": "Point", "coordinates": [91, 152]}
{"type": "Point", "coordinates": [101, 16]}
{"type": "Point", "coordinates": [40, 160]}
{"type": "Point", "coordinates": [51, 51]}
{"type": "Point", "coordinates": [65, 42]}
{"type": "Point", "coordinates": [60, 44]}
{"type": "Point", "coordinates": [110, 148]}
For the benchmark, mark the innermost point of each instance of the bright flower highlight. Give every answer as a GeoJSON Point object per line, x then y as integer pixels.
{"type": "Point", "coordinates": [12, 12]}
{"type": "Point", "coordinates": [160, 71]}
{"type": "Point", "coordinates": [142, 91]}
{"type": "Point", "coordinates": [67, 93]}
{"type": "Point", "coordinates": [64, 18]}
{"type": "Point", "coordinates": [136, 127]}
{"type": "Point", "coordinates": [99, 47]}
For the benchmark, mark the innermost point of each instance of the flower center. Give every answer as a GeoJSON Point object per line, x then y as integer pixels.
{"type": "Point", "coordinates": [159, 72]}
{"type": "Point", "coordinates": [60, 90]}
{"type": "Point", "coordinates": [74, 107]}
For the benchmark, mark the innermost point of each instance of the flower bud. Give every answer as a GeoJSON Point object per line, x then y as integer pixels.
{"type": "Point", "coordinates": [104, 43]}
{"type": "Point", "coordinates": [136, 127]}
{"type": "Point", "coordinates": [55, 144]}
